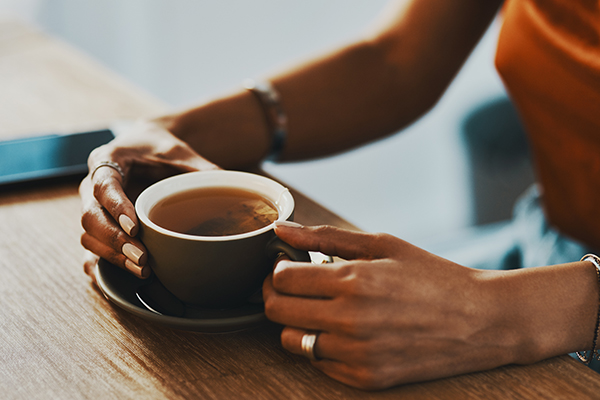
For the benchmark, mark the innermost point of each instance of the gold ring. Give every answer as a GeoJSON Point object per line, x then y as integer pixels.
{"type": "Point", "coordinates": [109, 164]}
{"type": "Point", "coordinates": [308, 345]}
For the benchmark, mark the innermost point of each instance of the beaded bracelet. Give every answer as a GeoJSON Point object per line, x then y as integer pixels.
{"type": "Point", "coordinates": [585, 356]}
{"type": "Point", "coordinates": [275, 116]}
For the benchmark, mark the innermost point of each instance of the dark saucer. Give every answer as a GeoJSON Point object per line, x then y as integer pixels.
{"type": "Point", "coordinates": [127, 292]}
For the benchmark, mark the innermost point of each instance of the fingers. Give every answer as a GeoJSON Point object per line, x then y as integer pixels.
{"type": "Point", "coordinates": [107, 187]}
{"type": "Point", "coordinates": [336, 241]}
{"type": "Point", "coordinates": [355, 375]}
{"type": "Point", "coordinates": [337, 356]}
{"type": "Point", "coordinates": [104, 236]}
{"type": "Point", "coordinates": [326, 345]}
{"type": "Point", "coordinates": [102, 250]}
{"type": "Point", "coordinates": [162, 156]}
{"type": "Point", "coordinates": [163, 148]}
{"type": "Point", "coordinates": [106, 239]}
{"type": "Point", "coordinates": [90, 261]}
{"type": "Point", "coordinates": [109, 217]}
{"type": "Point", "coordinates": [309, 280]}
{"type": "Point", "coordinates": [291, 340]}
{"type": "Point", "coordinates": [309, 313]}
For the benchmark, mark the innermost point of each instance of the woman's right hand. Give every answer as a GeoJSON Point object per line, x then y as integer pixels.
{"type": "Point", "coordinates": [148, 152]}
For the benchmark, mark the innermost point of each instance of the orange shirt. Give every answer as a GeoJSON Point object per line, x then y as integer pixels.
{"type": "Point", "coordinates": [549, 58]}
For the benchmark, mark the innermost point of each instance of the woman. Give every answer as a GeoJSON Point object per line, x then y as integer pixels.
{"type": "Point", "coordinates": [394, 313]}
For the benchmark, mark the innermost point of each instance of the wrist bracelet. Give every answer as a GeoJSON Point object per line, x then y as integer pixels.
{"type": "Point", "coordinates": [275, 117]}
{"type": "Point", "coordinates": [585, 356]}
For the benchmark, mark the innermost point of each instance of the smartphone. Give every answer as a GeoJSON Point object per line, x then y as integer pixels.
{"type": "Point", "coordinates": [49, 156]}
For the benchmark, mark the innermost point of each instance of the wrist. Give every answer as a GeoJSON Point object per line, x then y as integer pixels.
{"type": "Point", "coordinates": [229, 131]}
{"type": "Point", "coordinates": [275, 116]}
{"type": "Point", "coordinates": [546, 311]}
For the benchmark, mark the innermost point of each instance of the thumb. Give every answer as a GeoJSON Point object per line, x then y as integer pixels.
{"type": "Point", "coordinates": [334, 241]}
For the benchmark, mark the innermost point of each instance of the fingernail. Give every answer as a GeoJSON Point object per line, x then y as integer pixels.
{"type": "Point", "coordinates": [140, 272]}
{"type": "Point", "coordinates": [288, 224]}
{"type": "Point", "coordinates": [126, 223]}
{"type": "Point", "coordinates": [146, 271]}
{"type": "Point", "coordinates": [132, 252]}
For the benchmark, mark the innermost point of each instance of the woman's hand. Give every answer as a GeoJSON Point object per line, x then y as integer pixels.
{"type": "Point", "coordinates": [145, 154]}
{"type": "Point", "coordinates": [391, 314]}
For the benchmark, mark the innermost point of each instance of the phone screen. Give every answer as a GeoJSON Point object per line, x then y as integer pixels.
{"type": "Point", "coordinates": [49, 156]}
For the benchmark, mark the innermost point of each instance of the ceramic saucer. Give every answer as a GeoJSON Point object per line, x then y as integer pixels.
{"type": "Point", "coordinates": [123, 289]}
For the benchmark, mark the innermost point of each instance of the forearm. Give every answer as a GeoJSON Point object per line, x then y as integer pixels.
{"type": "Point", "coordinates": [333, 103]}
{"type": "Point", "coordinates": [384, 81]}
{"type": "Point", "coordinates": [350, 96]}
{"type": "Point", "coordinates": [230, 131]}
{"type": "Point", "coordinates": [545, 311]}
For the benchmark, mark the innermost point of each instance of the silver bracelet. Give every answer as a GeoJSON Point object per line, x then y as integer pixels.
{"type": "Point", "coordinates": [275, 116]}
{"type": "Point", "coordinates": [586, 357]}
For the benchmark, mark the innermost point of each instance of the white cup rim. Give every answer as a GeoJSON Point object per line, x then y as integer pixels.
{"type": "Point", "coordinates": [277, 193]}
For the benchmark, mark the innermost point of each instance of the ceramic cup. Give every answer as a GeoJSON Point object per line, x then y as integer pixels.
{"type": "Point", "coordinates": [217, 271]}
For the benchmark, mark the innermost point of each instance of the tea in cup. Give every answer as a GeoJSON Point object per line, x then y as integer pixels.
{"type": "Point", "coordinates": [210, 235]}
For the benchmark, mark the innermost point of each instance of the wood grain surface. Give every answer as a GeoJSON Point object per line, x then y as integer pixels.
{"type": "Point", "coordinates": [61, 339]}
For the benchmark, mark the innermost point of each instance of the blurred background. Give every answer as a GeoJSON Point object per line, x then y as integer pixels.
{"type": "Point", "coordinates": [462, 165]}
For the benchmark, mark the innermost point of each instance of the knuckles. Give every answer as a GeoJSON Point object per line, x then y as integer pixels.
{"type": "Point", "coordinates": [84, 241]}
{"type": "Point", "coordinates": [100, 187]}
{"type": "Point", "coordinates": [323, 230]}
{"type": "Point", "coordinates": [270, 301]}
{"type": "Point", "coordinates": [385, 238]}
{"type": "Point", "coordinates": [117, 240]}
{"type": "Point", "coordinates": [383, 245]}
{"type": "Point", "coordinates": [350, 323]}
{"type": "Point", "coordinates": [93, 225]}
{"type": "Point", "coordinates": [371, 371]}
{"type": "Point", "coordinates": [97, 154]}
{"type": "Point", "coordinates": [368, 379]}
{"type": "Point", "coordinates": [282, 274]}
{"type": "Point", "coordinates": [105, 194]}
{"type": "Point", "coordinates": [355, 279]}
{"type": "Point", "coordinates": [175, 150]}
{"type": "Point", "coordinates": [272, 311]}
{"type": "Point", "coordinates": [113, 257]}
{"type": "Point", "coordinates": [87, 218]}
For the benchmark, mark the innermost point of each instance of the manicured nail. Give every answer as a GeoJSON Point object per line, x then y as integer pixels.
{"type": "Point", "coordinates": [133, 252]}
{"type": "Point", "coordinates": [288, 224]}
{"type": "Point", "coordinates": [146, 271]}
{"type": "Point", "coordinates": [126, 223]}
{"type": "Point", "coordinates": [140, 272]}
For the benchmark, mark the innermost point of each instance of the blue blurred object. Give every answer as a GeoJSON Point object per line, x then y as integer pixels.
{"type": "Point", "coordinates": [49, 156]}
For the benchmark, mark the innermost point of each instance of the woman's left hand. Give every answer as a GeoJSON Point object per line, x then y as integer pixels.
{"type": "Point", "coordinates": [390, 313]}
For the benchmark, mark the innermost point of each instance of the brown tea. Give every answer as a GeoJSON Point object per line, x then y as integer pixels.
{"type": "Point", "coordinates": [214, 211]}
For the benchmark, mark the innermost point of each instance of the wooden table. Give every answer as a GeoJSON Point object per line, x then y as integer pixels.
{"type": "Point", "coordinates": [61, 339]}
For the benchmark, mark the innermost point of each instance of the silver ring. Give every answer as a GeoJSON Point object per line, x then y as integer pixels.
{"type": "Point", "coordinates": [109, 164]}
{"type": "Point", "coordinates": [308, 345]}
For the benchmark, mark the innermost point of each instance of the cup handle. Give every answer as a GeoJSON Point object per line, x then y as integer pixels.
{"type": "Point", "coordinates": [276, 246]}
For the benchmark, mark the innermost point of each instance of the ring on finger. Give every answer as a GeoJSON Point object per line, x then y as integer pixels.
{"type": "Point", "coordinates": [309, 340]}
{"type": "Point", "coordinates": [109, 164]}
